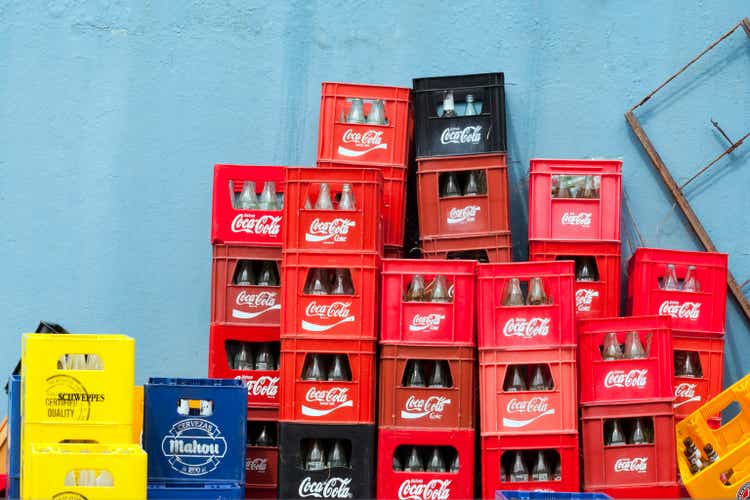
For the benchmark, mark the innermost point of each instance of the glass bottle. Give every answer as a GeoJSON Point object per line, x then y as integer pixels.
{"type": "Point", "coordinates": [268, 196]}
{"type": "Point", "coordinates": [416, 291]}
{"type": "Point", "coordinates": [347, 198]}
{"type": "Point", "coordinates": [470, 110]}
{"type": "Point", "coordinates": [324, 198]}
{"type": "Point", "coordinates": [450, 186]}
{"type": "Point", "coordinates": [512, 294]}
{"type": "Point", "coordinates": [248, 200]}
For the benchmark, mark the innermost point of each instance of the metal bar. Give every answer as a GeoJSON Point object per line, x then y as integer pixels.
{"type": "Point", "coordinates": [684, 205]}
{"type": "Point", "coordinates": [734, 146]}
{"type": "Point", "coordinates": [746, 26]}
{"type": "Point", "coordinates": [744, 283]}
{"type": "Point", "coordinates": [718, 127]}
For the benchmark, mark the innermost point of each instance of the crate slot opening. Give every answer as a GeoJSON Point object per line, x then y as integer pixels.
{"type": "Point", "coordinates": [80, 361]}
{"type": "Point", "coordinates": [533, 291]}
{"type": "Point", "coordinates": [458, 102]}
{"type": "Point", "coordinates": [364, 111]}
{"type": "Point", "coordinates": [628, 431]}
{"type": "Point", "coordinates": [333, 196]}
{"type": "Point", "coordinates": [429, 459]}
{"type": "Point", "coordinates": [243, 355]}
{"type": "Point", "coordinates": [687, 364]}
{"type": "Point", "coordinates": [575, 186]}
{"type": "Point", "coordinates": [437, 288]}
{"type": "Point", "coordinates": [531, 378]}
{"type": "Point", "coordinates": [89, 477]}
{"type": "Point", "coordinates": [519, 466]}
{"type": "Point", "coordinates": [256, 273]}
{"type": "Point", "coordinates": [586, 267]}
{"type": "Point", "coordinates": [325, 454]}
{"type": "Point", "coordinates": [431, 373]}
{"type": "Point", "coordinates": [630, 345]}
{"type": "Point", "coordinates": [195, 407]}
{"type": "Point", "coordinates": [327, 281]}
{"type": "Point", "coordinates": [327, 367]}
{"type": "Point", "coordinates": [262, 433]}
{"type": "Point", "coordinates": [463, 184]}
{"type": "Point", "coordinates": [679, 278]}
{"type": "Point", "coordinates": [252, 195]}
{"type": "Point", "coordinates": [479, 255]}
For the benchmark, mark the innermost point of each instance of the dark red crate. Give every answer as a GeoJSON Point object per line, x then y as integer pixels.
{"type": "Point", "coordinates": [426, 407]}
{"type": "Point", "coordinates": [462, 215]}
{"type": "Point", "coordinates": [393, 252]}
{"type": "Point", "coordinates": [425, 485]}
{"type": "Point", "coordinates": [243, 305]}
{"type": "Point", "coordinates": [262, 462]}
{"type": "Point", "coordinates": [427, 323]}
{"type": "Point", "coordinates": [351, 231]}
{"type": "Point", "coordinates": [262, 385]}
{"type": "Point", "coordinates": [625, 380]}
{"type": "Point", "coordinates": [691, 393]}
{"type": "Point", "coordinates": [630, 465]}
{"type": "Point", "coordinates": [330, 316]}
{"type": "Point", "coordinates": [568, 219]}
{"type": "Point", "coordinates": [700, 312]}
{"type": "Point", "coordinates": [249, 227]}
{"type": "Point", "coordinates": [394, 201]}
{"type": "Point", "coordinates": [364, 144]}
{"type": "Point", "coordinates": [494, 447]}
{"type": "Point", "coordinates": [495, 247]}
{"type": "Point", "coordinates": [507, 413]}
{"type": "Point", "coordinates": [325, 402]}
{"type": "Point", "coordinates": [261, 493]}
{"type": "Point", "coordinates": [594, 299]}
{"type": "Point", "coordinates": [521, 327]}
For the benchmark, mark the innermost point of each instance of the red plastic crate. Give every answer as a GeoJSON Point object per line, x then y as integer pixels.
{"type": "Point", "coordinates": [427, 323]}
{"type": "Point", "coordinates": [461, 215]}
{"type": "Point", "coordinates": [497, 246]}
{"type": "Point", "coordinates": [393, 252]}
{"type": "Point", "coordinates": [243, 305]}
{"type": "Point", "coordinates": [330, 316]}
{"type": "Point", "coordinates": [506, 413]}
{"type": "Point", "coordinates": [341, 402]}
{"type": "Point", "coordinates": [594, 299]}
{"type": "Point", "coordinates": [426, 407]}
{"type": "Point", "coordinates": [520, 327]}
{"type": "Point", "coordinates": [630, 465]}
{"type": "Point", "coordinates": [351, 231]}
{"type": "Point", "coordinates": [625, 380]}
{"type": "Point", "coordinates": [650, 492]}
{"type": "Point", "coordinates": [249, 227]}
{"type": "Point", "coordinates": [425, 485]}
{"type": "Point", "coordinates": [701, 312]}
{"type": "Point", "coordinates": [574, 218]}
{"type": "Point", "coordinates": [691, 393]}
{"type": "Point", "coordinates": [261, 465]}
{"type": "Point", "coordinates": [493, 448]}
{"type": "Point", "coordinates": [262, 385]}
{"type": "Point", "coordinates": [394, 201]}
{"type": "Point", "coordinates": [364, 144]}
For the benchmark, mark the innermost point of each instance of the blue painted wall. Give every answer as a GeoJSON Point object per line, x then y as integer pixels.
{"type": "Point", "coordinates": [112, 115]}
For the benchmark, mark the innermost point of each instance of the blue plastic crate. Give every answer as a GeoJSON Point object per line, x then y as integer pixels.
{"type": "Point", "coordinates": [196, 446]}
{"type": "Point", "coordinates": [180, 491]}
{"type": "Point", "coordinates": [14, 436]}
{"type": "Point", "coordinates": [544, 495]}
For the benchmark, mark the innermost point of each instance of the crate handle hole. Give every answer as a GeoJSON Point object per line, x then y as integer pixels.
{"type": "Point", "coordinates": [89, 477]}
{"type": "Point", "coordinates": [76, 361]}
{"type": "Point", "coordinates": [195, 407]}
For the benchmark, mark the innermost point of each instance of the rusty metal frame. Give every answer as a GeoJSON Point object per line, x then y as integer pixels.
{"type": "Point", "coordinates": [669, 181]}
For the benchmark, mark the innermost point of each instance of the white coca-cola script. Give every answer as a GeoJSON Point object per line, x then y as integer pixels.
{"type": "Point", "coordinates": [265, 301]}
{"type": "Point", "coordinates": [418, 489]}
{"type": "Point", "coordinates": [636, 464]}
{"type": "Point", "coordinates": [365, 142]}
{"type": "Point", "coordinates": [333, 231]}
{"type": "Point", "coordinates": [265, 385]}
{"type": "Point", "coordinates": [267, 225]}
{"type": "Point", "coordinates": [529, 411]}
{"type": "Point", "coordinates": [576, 219]}
{"type": "Point", "coordinates": [463, 215]}
{"type": "Point", "coordinates": [458, 135]}
{"type": "Point", "coordinates": [429, 322]}
{"type": "Point", "coordinates": [527, 328]}
{"type": "Point", "coordinates": [334, 487]}
{"type": "Point", "coordinates": [686, 310]}
{"type": "Point", "coordinates": [584, 299]}
{"type": "Point", "coordinates": [684, 390]}
{"type": "Point", "coordinates": [621, 378]}
{"type": "Point", "coordinates": [338, 311]}
{"type": "Point", "coordinates": [326, 401]}
{"type": "Point", "coordinates": [432, 407]}
{"type": "Point", "coordinates": [257, 464]}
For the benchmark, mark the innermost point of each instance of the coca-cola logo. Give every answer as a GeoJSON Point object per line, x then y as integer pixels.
{"type": "Point", "coordinates": [265, 385]}
{"type": "Point", "coordinates": [686, 310]}
{"type": "Point", "coordinates": [537, 406]}
{"type": "Point", "coordinates": [335, 230]}
{"type": "Point", "coordinates": [686, 393]}
{"type": "Point", "coordinates": [527, 328]}
{"type": "Point", "coordinates": [429, 322]}
{"type": "Point", "coordinates": [458, 135]}
{"type": "Point", "coordinates": [463, 215]}
{"type": "Point", "coordinates": [576, 219]}
{"type": "Point", "coordinates": [419, 489]}
{"type": "Point", "coordinates": [636, 464]}
{"type": "Point", "coordinates": [267, 225]}
{"type": "Point", "coordinates": [339, 311]}
{"type": "Point", "coordinates": [621, 378]}
{"type": "Point", "coordinates": [432, 407]}
{"type": "Point", "coordinates": [367, 141]}
{"type": "Point", "coordinates": [265, 300]}
{"type": "Point", "coordinates": [257, 464]}
{"type": "Point", "coordinates": [585, 298]}
{"type": "Point", "coordinates": [327, 401]}
{"type": "Point", "coordinates": [334, 487]}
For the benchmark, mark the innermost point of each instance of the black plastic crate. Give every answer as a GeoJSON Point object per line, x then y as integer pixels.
{"type": "Point", "coordinates": [355, 481]}
{"type": "Point", "coordinates": [460, 135]}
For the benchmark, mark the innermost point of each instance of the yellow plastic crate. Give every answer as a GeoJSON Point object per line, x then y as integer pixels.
{"type": "Point", "coordinates": [57, 469]}
{"type": "Point", "coordinates": [137, 413]}
{"type": "Point", "coordinates": [731, 442]}
{"type": "Point", "coordinates": [56, 393]}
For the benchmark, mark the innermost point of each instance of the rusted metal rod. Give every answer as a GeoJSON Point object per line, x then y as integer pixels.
{"type": "Point", "coordinates": [734, 146]}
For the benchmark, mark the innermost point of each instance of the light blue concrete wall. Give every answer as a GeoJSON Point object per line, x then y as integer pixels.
{"type": "Point", "coordinates": [113, 113]}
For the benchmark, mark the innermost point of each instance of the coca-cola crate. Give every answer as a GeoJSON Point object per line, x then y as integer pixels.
{"type": "Point", "coordinates": [394, 202]}
{"type": "Point", "coordinates": [427, 322]}
{"type": "Point", "coordinates": [706, 355]}
{"type": "Point", "coordinates": [577, 214]}
{"type": "Point", "coordinates": [393, 252]}
{"type": "Point", "coordinates": [483, 132]}
{"type": "Point", "coordinates": [365, 143]}
{"type": "Point", "coordinates": [498, 455]}
{"type": "Point", "coordinates": [225, 342]}
{"type": "Point", "coordinates": [633, 464]}
{"type": "Point", "coordinates": [645, 492]}
{"type": "Point", "coordinates": [702, 311]}
{"type": "Point", "coordinates": [335, 230]}
{"type": "Point", "coordinates": [262, 460]}
{"type": "Point", "coordinates": [352, 316]}
{"type": "Point", "coordinates": [323, 401]}
{"type": "Point", "coordinates": [546, 495]}
{"type": "Point", "coordinates": [491, 247]}
{"type": "Point", "coordinates": [594, 299]}
{"type": "Point", "coordinates": [242, 305]}
{"type": "Point", "coordinates": [528, 410]}
{"type": "Point", "coordinates": [250, 227]}
{"type": "Point", "coordinates": [486, 211]}
{"type": "Point", "coordinates": [623, 379]}
{"type": "Point", "coordinates": [261, 493]}
{"type": "Point", "coordinates": [403, 405]}
{"type": "Point", "coordinates": [355, 481]}
{"type": "Point", "coordinates": [195, 490]}
{"type": "Point", "coordinates": [521, 327]}
{"type": "Point", "coordinates": [398, 444]}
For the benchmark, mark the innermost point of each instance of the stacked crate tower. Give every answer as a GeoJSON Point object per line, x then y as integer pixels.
{"type": "Point", "coordinates": [246, 305]}
{"type": "Point", "coordinates": [462, 172]}
{"type": "Point", "coordinates": [426, 405]}
{"type": "Point", "coordinates": [527, 377]}
{"type": "Point", "coordinates": [330, 268]}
